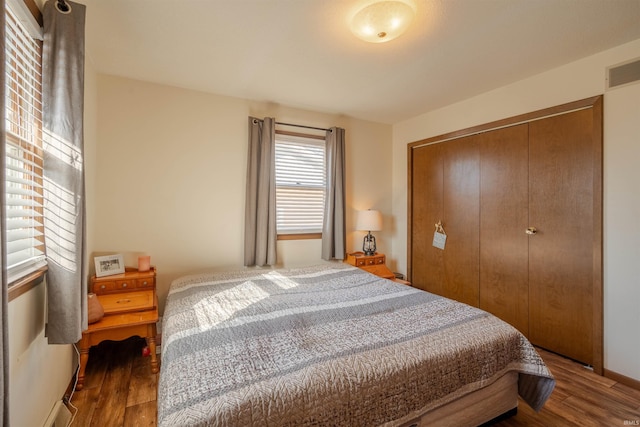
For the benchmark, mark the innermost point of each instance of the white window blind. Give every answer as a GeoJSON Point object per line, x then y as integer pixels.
{"type": "Point", "coordinates": [300, 184]}
{"type": "Point", "coordinates": [23, 167]}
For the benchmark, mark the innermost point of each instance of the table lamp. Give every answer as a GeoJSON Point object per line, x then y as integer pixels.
{"type": "Point", "coordinates": [369, 221]}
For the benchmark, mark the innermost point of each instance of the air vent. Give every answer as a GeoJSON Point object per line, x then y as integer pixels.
{"type": "Point", "coordinates": [623, 74]}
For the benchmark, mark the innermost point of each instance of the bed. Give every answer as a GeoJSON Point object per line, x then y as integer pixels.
{"type": "Point", "coordinates": [333, 345]}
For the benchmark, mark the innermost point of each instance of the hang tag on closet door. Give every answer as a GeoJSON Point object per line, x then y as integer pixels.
{"type": "Point", "coordinates": [439, 240]}
{"type": "Point", "coordinates": [439, 237]}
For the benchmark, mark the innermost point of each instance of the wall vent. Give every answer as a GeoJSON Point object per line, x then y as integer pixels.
{"type": "Point", "coordinates": [623, 74]}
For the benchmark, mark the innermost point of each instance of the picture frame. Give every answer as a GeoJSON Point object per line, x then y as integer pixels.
{"type": "Point", "coordinates": [109, 265]}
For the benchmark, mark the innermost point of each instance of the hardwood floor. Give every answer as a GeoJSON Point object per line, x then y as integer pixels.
{"type": "Point", "coordinates": [120, 390]}
{"type": "Point", "coordinates": [580, 398]}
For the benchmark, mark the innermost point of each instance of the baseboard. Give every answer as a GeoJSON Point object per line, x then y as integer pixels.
{"type": "Point", "coordinates": [159, 335]}
{"type": "Point", "coordinates": [60, 416]}
{"type": "Point", "coordinates": [622, 379]}
{"type": "Point", "coordinates": [158, 343]}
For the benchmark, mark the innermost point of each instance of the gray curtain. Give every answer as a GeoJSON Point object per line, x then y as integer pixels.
{"type": "Point", "coordinates": [4, 340]}
{"type": "Point", "coordinates": [260, 207]}
{"type": "Point", "coordinates": [64, 213]}
{"type": "Point", "coordinates": [333, 227]}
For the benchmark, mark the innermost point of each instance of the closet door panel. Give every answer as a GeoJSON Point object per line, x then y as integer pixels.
{"type": "Point", "coordinates": [504, 181]}
{"type": "Point", "coordinates": [461, 202]}
{"type": "Point", "coordinates": [561, 254]}
{"type": "Point", "coordinates": [426, 260]}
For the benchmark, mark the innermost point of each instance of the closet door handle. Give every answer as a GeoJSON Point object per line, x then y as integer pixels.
{"type": "Point", "coordinates": [531, 230]}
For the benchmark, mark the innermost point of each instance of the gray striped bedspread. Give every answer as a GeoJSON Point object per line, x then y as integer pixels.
{"type": "Point", "coordinates": [329, 345]}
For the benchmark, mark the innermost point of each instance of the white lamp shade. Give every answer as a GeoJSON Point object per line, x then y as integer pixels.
{"type": "Point", "coordinates": [369, 221]}
{"type": "Point", "coordinates": [382, 21]}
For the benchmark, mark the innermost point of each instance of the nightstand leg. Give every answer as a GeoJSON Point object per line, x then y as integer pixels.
{"type": "Point", "coordinates": [84, 358]}
{"type": "Point", "coordinates": [151, 342]}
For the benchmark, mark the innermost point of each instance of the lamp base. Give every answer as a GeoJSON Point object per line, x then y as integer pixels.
{"type": "Point", "coordinates": [369, 245]}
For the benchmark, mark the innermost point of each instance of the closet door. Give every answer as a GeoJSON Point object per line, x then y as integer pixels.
{"type": "Point", "coordinates": [426, 210]}
{"type": "Point", "coordinates": [461, 219]}
{"type": "Point", "coordinates": [445, 188]}
{"type": "Point", "coordinates": [504, 212]}
{"type": "Point", "coordinates": [562, 252]}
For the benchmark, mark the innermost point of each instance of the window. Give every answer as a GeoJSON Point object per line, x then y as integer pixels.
{"type": "Point", "coordinates": [300, 184]}
{"type": "Point", "coordinates": [23, 167]}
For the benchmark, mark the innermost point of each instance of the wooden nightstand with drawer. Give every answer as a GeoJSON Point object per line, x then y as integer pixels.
{"type": "Point", "coordinates": [375, 264]}
{"type": "Point", "coordinates": [130, 280]}
{"type": "Point", "coordinates": [130, 308]}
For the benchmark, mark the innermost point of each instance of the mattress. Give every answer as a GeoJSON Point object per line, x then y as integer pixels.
{"type": "Point", "coordinates": [328, 345]}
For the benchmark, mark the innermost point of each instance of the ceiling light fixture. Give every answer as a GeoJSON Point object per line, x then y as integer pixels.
{"type": "Point", "coordinates": [382, 21]}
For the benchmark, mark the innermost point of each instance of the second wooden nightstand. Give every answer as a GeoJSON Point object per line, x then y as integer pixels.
{"type": "Point", "coordinates": [374, 264]}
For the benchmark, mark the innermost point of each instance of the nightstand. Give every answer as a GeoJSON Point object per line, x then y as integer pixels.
{"type": "Point", "coordinates": [130, 308]}
{"type": "Point", "coordinates": [374, 264]}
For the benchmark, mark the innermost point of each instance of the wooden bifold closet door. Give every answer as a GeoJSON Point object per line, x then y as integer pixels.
{"type": "Point", "coordinates": [561, 253]}
{"type": "Point", "coordinates": [449, 189]}
{"type": "Point", "coordinates": [520, 201]}
{"type": "Point", "coordinates": [504, 214]}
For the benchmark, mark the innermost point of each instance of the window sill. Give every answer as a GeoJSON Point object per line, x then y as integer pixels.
{"type": "Point", "coordinates": [26, 283]}
{"type": "Point", "coordinates": [305, 236]}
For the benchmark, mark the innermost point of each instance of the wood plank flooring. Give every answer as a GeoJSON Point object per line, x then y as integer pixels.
{"type": "Point", "coordinates": [120, 390]}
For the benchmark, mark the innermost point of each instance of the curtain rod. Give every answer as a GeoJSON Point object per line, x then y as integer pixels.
{"type": "Point", "coordinates": [297, 126]}
{"type": "Point", "coordinates": [302, 126]}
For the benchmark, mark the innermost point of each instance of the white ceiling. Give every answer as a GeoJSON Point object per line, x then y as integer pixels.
{"type": "Point", "coordinates": [301, 53]}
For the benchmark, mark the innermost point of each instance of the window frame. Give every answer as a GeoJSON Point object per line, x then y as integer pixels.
{"type": "Point", "coordinates": [303, 235]}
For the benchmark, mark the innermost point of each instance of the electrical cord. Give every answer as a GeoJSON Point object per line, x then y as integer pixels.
{"type": "Point", "coordinates": [73, 389]}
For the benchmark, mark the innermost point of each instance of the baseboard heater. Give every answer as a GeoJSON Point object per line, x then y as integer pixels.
{"type": "Point", "coordinates": [60, 416]}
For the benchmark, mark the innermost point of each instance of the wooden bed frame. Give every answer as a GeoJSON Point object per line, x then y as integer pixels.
{"type": "Point", "coordinates": [475, 408]}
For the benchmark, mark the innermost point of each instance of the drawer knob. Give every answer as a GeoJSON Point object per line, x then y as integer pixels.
{"type": "Point", "coordinates": [124, 285]}
{"type": "Point", "coordinates": [144, 283]}
{"type": "Point", "coordinates": [103, 287]}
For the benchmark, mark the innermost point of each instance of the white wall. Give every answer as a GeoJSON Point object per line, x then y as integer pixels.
{"type": "Point", "coordinates": [622, 229]}
{"type": "Point", "coordinates": [171, 171]}
{"type": "Point", "coordinates": [39, 373]}
{"type": "Point", "coordinates": [577, 80]}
